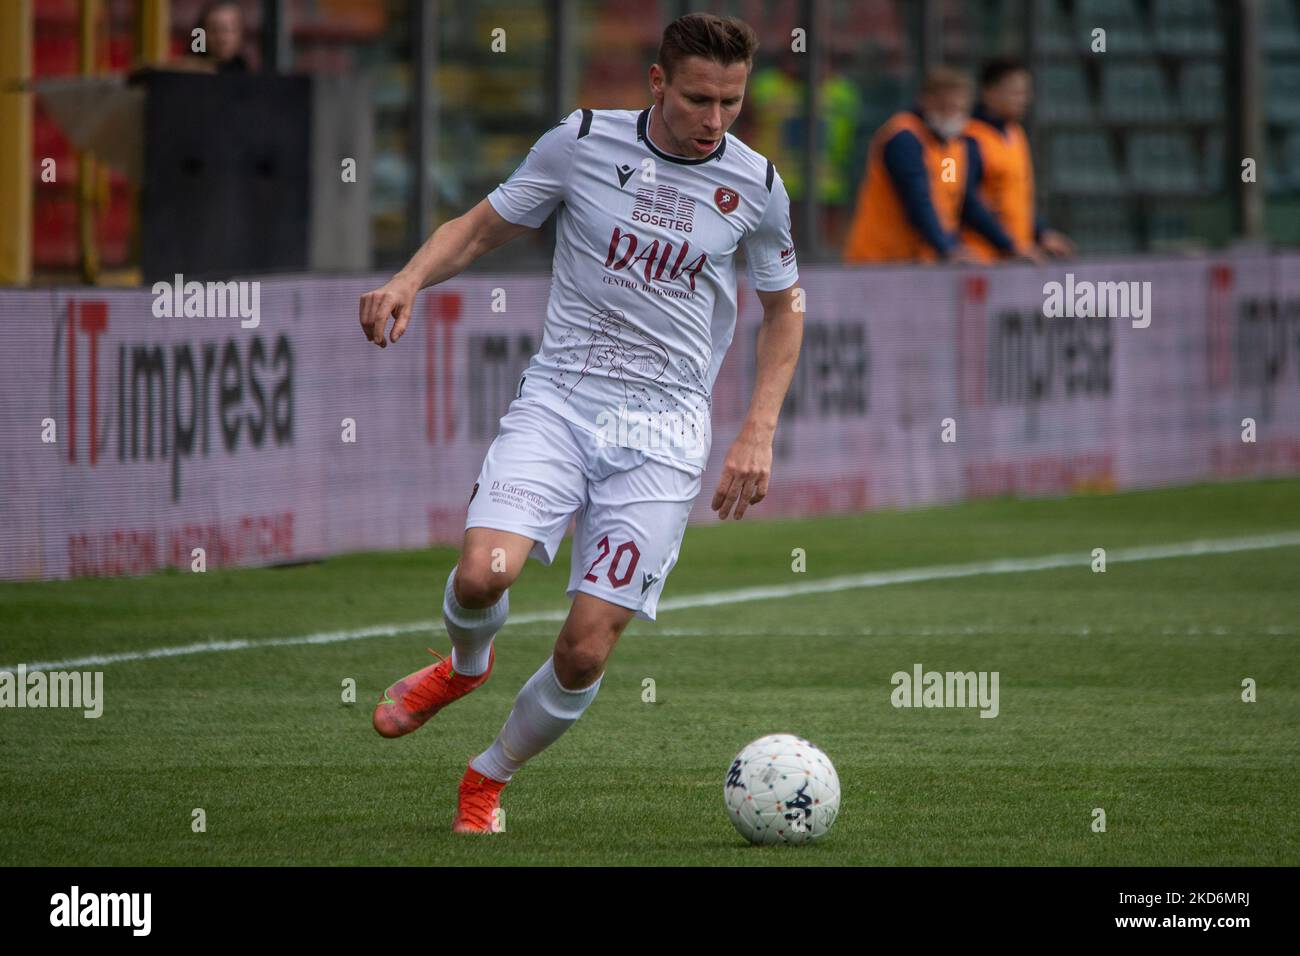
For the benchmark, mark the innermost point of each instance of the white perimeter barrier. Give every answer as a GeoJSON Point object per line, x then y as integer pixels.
{"type": "Point", "coordinates": [129, 439]}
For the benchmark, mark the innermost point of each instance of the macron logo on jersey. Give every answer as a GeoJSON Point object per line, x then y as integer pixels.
{"type": "Point", "coordinates": [624, 174]}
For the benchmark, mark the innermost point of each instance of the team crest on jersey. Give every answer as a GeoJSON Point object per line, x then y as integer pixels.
{"type": "Point", "coordinates": [726, 199]}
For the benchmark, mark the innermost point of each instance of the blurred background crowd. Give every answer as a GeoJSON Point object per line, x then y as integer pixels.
{"type": "Point", "coordinates": [1076, 151]}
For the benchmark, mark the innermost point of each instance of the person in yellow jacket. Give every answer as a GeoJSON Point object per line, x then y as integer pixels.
{"type": "Point", "coordinates": [917, 194]}
{"type": "Point", "coordinates": [1003, 167]}
{"type": "Point", "coordinates": [779, 130]}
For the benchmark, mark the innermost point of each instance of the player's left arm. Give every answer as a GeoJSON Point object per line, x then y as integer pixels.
{"type": "Point", "coordinates": [747, 468]}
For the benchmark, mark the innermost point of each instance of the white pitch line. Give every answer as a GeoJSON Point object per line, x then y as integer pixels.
{"type": "Point", "coordinates": [1010, 630]}
{"type": "Point", "coordinates": [207, 647]}
{"type": "Point", "coordinates": [846, 582]}
{"type": "Point", "coordinates": [1005, 566]}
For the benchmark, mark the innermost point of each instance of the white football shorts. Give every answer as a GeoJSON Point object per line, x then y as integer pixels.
{"type": "Point", "coordinates": [630, 509]}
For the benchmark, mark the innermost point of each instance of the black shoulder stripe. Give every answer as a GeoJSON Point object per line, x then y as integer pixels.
{"type": "Point", "coordinates": [585, 128]}
{"type": "Point", "coordinates": [771, 171]}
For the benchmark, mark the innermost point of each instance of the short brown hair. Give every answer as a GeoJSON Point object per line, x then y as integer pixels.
{"type": "Point", "coordinates": [941, 79]}
{"type": "Point", "coordinates": [999, 68]}
{"type": "Point", "coordinates": [725, 40]}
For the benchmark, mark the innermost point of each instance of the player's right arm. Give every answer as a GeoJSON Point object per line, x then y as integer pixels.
{"type": "Point", "coordinates": [446, 253]}
{"type": "Point", "coordinates": [520, 204]}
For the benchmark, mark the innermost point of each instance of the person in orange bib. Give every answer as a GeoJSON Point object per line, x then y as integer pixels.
{"type": "Point", "coordinates": [917, 194]}
{"type": "Point", "coordinates": [1002, 167]}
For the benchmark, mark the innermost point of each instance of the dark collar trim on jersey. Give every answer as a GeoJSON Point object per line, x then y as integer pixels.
{"type": "Point", "coordinates": [642, 134]}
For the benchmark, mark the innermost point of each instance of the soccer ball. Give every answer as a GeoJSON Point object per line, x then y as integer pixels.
{"type": "Point", "coordinates": [782, 789]}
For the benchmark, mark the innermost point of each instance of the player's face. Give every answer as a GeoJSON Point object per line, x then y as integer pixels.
{"type": "Point", "coordinates": [1009, 98]}
{"type": "Point", "coordinates": [700, 104]}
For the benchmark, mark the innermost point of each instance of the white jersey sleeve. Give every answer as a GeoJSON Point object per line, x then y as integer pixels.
{"type": "Point", "coordinates": [769, 248]}
{"type": "Point", "coordinates": [539, 183]}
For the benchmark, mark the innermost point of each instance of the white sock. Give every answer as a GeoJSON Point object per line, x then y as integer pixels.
{"type": "Point", "coordinates": [471, 630]}
{"type": "Point", "coordinates": [543, 711]}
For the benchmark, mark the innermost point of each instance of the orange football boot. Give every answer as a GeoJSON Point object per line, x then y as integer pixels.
{"type": "Point", "coordinates": [477, 804]}
{"type": "Point", "coordinates": [417, 697]}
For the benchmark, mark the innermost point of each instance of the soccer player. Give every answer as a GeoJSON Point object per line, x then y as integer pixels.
{"type": "Point", "coordinates": [611, 418]}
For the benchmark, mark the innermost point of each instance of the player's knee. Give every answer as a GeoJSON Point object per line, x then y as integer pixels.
{"type": "Point", "coordinates": [578, 663]}
{"type": "Point", "coordinates": [478, 586]}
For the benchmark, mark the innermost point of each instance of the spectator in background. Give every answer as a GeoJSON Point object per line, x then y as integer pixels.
{"type": "Point", "coordinates": [779, 132]}
{"type": "Point", "coordinates": [841, 112]}
{"type": "Point", "coordinates": [223, 25]}
{"type": "Point", "coordinates": [776, 93]}
{"type": "Point", "coordinates": [1002, 169]}
{"type": "Point", "coordinates": [917, 192]}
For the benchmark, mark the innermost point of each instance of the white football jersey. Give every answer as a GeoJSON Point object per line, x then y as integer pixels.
{"type": "Point", "coordinates": [642, 305]}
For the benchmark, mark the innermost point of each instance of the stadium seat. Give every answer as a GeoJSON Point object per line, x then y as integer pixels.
{"type": "Point", "coordinates": [1135, 92]}
{"type": "Point", "coordinates": [1083, 162]}
{"type": "Point", "coordinates": [1282, 91]}
{"type": "Point", "coordinates": [1162, 163]}
{"type": "Point", "coordinates": [1212, 167]}
{"type": "Point", "coordinates": [1279, 173]}
{"type": "Point", "coordinates": [1167, 223]}
{"type": "Point", "coordinates": [1291, 157]}
{"type": "Point", "coordinates": [1282, 174]}
{"type": "Point", "coordinates": [1126, 32]}
{"type": "Point", "coordinates": [1179, 224]}
{"type": "Point", "coordinates": [1280, 31]}
{"type": "Point", "coordinates": [1102, 226]}
{"type": "Point", "coordinates": [1186, 26]}
{"type": "Point", "coordinates": [1063, 93]}
{"type": "Point", "coordinates": [1200, 91]}
{"type": "Point", "coordinates": [1055, 34]}
{"type": "Point", "coordinates": [874, 24]}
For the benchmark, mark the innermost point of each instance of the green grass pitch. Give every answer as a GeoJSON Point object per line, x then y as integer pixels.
{"type": "Point", "coordinates": [1119, 690]}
